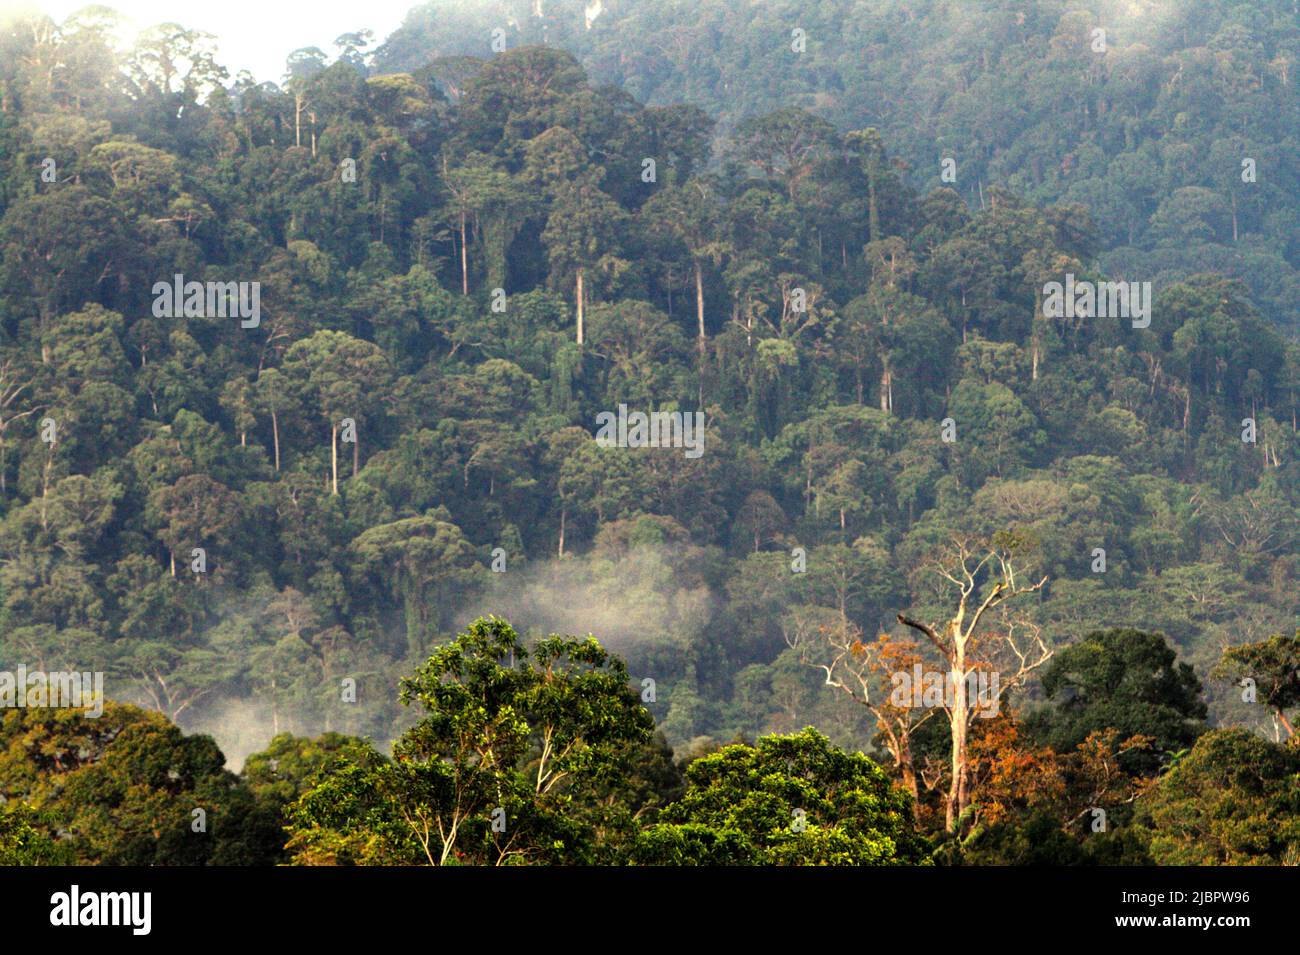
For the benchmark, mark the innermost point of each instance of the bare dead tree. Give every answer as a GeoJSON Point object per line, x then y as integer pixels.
{"type": "Point", "coordinates": [827, 641]}
{"type": "Point", "coordinates": [985, 577]}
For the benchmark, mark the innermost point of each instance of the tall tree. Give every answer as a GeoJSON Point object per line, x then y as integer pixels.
{"type": "Point", "coordinates": [986, 577]}
{"type": "Point", "coordinates": [343, 377]}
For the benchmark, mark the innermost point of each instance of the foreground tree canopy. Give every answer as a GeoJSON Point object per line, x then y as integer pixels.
{"type": "Point", "coordinates": [789, 800]}
{"type": "Point", "coordinates": [543, 754]}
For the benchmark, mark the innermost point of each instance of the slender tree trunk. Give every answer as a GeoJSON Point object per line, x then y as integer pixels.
{"type": "Point", "coordinates": [275, 437]}
{"type": "Point", "coordinates": [464, 259]}
{"type": "Point", "coordinates": [334, 457]}
{"type": "Point", "coordinates": [959, 789]}
{"type": "Point", "coordinates": [578, 294]}
{"type": "Point", "coordinates": [699, 303]}
{"type": "Point", "coordinates": [699, 315]}
{"type": "Point", "coordinates": [564, 513]}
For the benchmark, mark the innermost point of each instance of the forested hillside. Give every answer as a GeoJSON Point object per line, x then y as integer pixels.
{"type": "Point", "coordinates": [464, 258]}
{"type": "Point", "coordinates": [1148, 132]}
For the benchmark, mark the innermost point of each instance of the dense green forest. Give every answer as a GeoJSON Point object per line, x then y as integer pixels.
{"type": "Point", "coordinates": [454, 252]}
{"type": "Point", "coordinates": [1148, 134]}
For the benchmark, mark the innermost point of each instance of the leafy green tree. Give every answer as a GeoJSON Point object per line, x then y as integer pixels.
{"type": "Point", "coordinates": [1274, 665]}
{"type": "Point", "coordinates": [123, 787]}
{"type": "Point", "coordinates": [495, 202]}
{"type": "Point", "coordinates": [787, 800]}
{"type": "Point", "coordinates": [1231, 801]}
{"type": "Point", "coordinates": [582, 236]}
{"type": "Point", "coordinates": [24, 842]}
{"type": "Point", "coordinates": [57, 248]}
{"type": "Point", "coordinates": [290, 766]}
{"type": "Point", "coordinates": [690, 216]}
{"type": "Point", "coordinates": [420, 560]}
{"type": "Point", "coordinates": [509, 741]}
{"type": "Point", "coordinates": [1125, 679]}
{"type": "Point", "coordinates": [341, 377]}
{"type": "Point", "coordinates": [195, 512]}
{"type": "Point", "coordinates": [1000, 430]}
{"type": "Point", "coordinates": [273, 395]}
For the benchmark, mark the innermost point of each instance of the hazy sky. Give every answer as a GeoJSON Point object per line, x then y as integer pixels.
{"type": "Point", "coordinates": [253, 35]}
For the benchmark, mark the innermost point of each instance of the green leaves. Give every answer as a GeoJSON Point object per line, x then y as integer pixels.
{"type": "Point", "coordinates": [496, 770]}
{"type": "Point", "coordinates": [122, 787]}
{"type": "Point", "coordinates": [787, 800]}
{"type": "Point", "coordinates": [1122, 678]}
{"type": "Point", "coordinates": [1233, 800]}
{"type": "Point", "coordinates": [1273, 666]}
{"type": "Point", "coordinates": [421, 560]}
